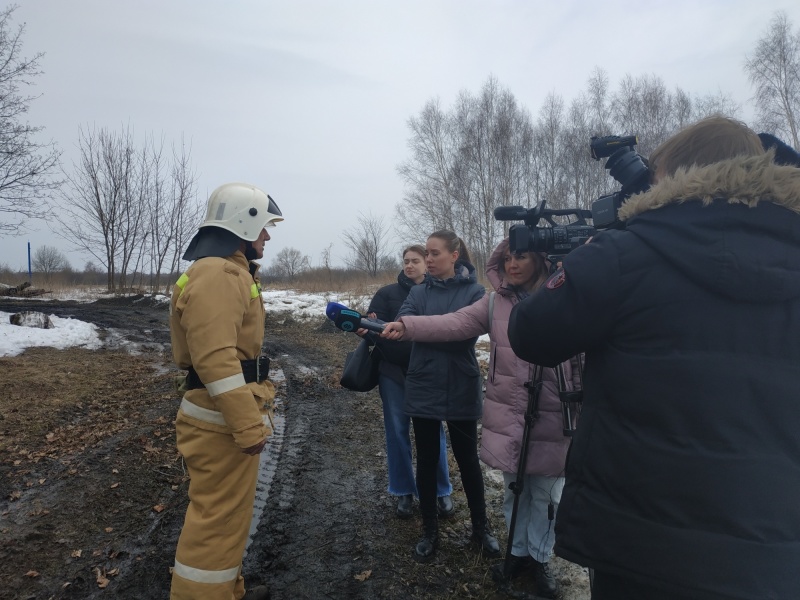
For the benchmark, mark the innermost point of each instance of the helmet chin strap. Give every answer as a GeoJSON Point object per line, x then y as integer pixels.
{"type": "Point", "coordinates": [250, 252]}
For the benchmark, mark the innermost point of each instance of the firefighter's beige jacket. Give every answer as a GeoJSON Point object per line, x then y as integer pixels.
{"type": "Point", "coordinates": [217, 320]}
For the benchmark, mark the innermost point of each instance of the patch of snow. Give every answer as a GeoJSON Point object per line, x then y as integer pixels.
{"type": "Point", "coordinates": [66, 333]}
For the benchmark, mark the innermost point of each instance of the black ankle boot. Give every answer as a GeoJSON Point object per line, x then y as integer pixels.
{"type": "Point", "coordinates": [482, 535]}
{"type": "Point", "coordinates": [546, 584]}
{"type": "Point", "coordinates": [405, 507]}
{"type": "Point", "coordinates": [510, 568]}
{"type": "Point", "coordinates": [426, 547]}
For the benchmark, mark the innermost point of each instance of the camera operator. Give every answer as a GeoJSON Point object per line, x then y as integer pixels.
{"type": "Point", "coordinates": [684, 475]}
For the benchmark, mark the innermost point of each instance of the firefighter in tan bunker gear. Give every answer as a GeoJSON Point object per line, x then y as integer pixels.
{"type": "Point", "coordinates": [225, 417]}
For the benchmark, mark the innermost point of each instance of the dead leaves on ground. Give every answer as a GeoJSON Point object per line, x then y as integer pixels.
{"type": "Point", "coordinates": [64, 444]}
{"type": "Point", "coordinates": [102, 576]}
{"type": "Point", "coordinates": [86, 399]}
{"type": "Point", "coordinates": [102, 580]}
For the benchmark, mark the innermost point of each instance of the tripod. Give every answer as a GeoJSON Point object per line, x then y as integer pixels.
{"type": "Point", "coordinates": [570, 410]}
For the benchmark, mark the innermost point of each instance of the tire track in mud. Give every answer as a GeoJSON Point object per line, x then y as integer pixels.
{"type": "Point", "coordinates": [310, 542]}
{"type": "Point", "coordinates": [268, 460]}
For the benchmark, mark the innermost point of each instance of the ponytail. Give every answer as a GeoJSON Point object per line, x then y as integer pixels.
{"type": "Point", "coordinates": [453, 243]}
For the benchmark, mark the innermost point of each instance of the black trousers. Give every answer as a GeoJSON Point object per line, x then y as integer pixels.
{"type": "Point", "coordinates": [464, 441]}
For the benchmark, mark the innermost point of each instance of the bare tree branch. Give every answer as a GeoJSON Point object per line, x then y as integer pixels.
{"type": "Point", "coordinates": [47, 260]}
{"type": "Point", "coordinates": [120, 208]}
{"type": "Point", "coordinates": [290, 262]}
{"type": "Point", "coordinates": [774, 71]}
{"type": "Point", "coordinates": [368, 241]}
{"type": "Point", "coordinates": [27, 167]}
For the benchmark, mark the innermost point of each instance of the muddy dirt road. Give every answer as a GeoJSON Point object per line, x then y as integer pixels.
{"type": "Point", "coordinates": [92, 490]}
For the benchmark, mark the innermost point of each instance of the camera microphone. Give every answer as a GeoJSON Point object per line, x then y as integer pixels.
{"type": "Point", "coordinates": [510, 213]}
{"type": "Point", "coordinates": [350, 320]}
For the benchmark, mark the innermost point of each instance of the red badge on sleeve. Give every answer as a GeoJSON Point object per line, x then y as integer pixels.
{"type": "Point", "coordinates": [556, 280]}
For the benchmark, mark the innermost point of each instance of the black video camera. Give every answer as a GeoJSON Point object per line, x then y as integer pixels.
{"type": "Point", "coordinates": [556, 240]}
{"type": "Point", "coordinates": [624, 164]}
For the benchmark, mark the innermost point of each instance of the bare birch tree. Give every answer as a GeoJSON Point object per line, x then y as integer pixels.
{"type": "Point", "coordinates": [497, 146]}
{"type": "Point", "coordinates": [428, 203]}
{"type": "Point", "coordinates": [27, 167]}
{"type": "Point", "coordinates": [774, 72]}
{"type": "Point", "coordinates": [175, 213]}
{"type": "Point", "coordinates": [92, 200]}
{"type": "Point", "coordinates": [550, 158]}
{"type": "Point", "coordinates": [464, 163]}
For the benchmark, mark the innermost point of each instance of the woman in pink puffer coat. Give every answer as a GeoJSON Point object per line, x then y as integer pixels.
{"type": "Point", "coordinates": [513, 276]}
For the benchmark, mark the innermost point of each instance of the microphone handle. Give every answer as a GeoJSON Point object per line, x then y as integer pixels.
{"type": "Point", "coordinates": [372, 325]}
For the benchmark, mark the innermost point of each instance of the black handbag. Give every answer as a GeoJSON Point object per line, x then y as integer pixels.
{"type": "Point", "coordinates": [360, 373]}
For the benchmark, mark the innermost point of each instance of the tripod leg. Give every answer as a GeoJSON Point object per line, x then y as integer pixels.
{"type": "Point", "coordinates": [531, 415]}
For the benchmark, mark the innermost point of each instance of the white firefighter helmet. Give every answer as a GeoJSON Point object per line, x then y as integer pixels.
{"type": "Point", "coordinates": [242, 209]}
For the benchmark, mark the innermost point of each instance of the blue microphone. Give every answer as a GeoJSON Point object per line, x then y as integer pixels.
{"type": "Point", "coordinates": [350, 320]}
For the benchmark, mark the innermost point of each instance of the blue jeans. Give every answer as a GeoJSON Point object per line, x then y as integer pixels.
{"type": "Point", "coordinates": [398, 443]}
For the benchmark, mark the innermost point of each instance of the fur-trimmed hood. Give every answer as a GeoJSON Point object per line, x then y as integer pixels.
{"type": "Point", "coordinates": [732, 227]}
{"type": "Point", "coordinates": [746, 180]}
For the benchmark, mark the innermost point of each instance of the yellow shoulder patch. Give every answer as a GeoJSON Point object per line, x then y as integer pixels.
{"type": "Point", "coordinates": [181, 283]}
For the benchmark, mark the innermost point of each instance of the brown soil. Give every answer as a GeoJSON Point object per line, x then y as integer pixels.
{"type": "Point", "coordinates": [93, 491]}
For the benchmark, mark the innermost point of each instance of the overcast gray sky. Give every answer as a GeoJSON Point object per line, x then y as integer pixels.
{"type": "Point", "coordinates": [309, 99]}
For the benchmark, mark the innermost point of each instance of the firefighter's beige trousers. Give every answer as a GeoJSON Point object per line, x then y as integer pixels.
{"type": "Point", "coordinates": [222, 490]}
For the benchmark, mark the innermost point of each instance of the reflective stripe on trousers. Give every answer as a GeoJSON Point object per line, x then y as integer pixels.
{"type": "Point", "coordinates": [203, 576]}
